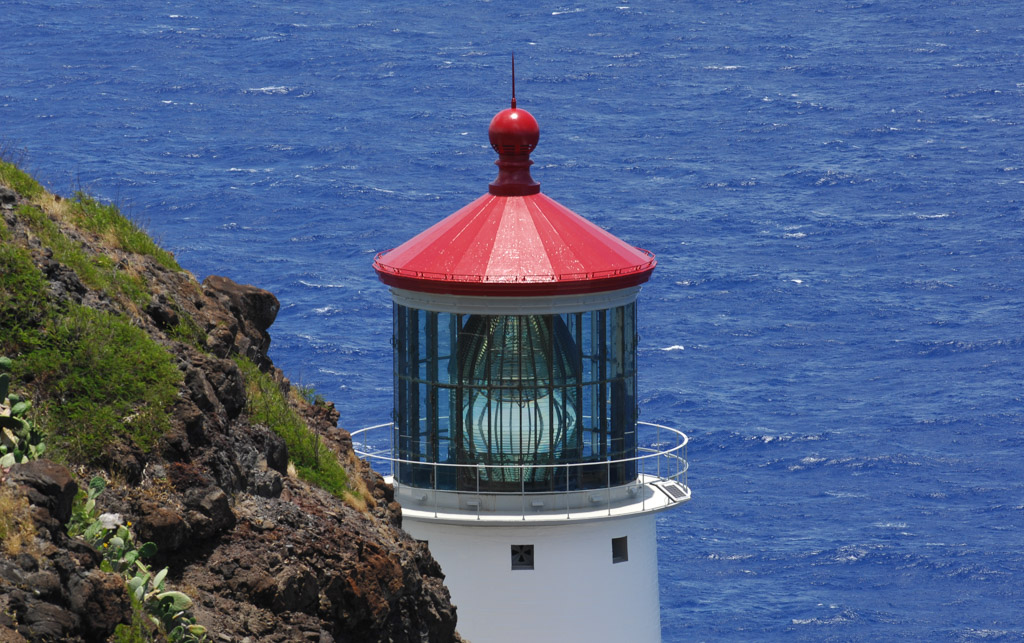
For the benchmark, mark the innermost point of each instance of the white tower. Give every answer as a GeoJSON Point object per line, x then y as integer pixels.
{"type": "Point", "coordinates": [516, 450]}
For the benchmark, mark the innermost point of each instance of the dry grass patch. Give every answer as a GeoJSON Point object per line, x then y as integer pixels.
{"type": "Point", "coordinates": [17, 530]}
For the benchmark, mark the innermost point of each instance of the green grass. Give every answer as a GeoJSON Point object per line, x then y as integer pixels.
{"type": "Point", "coordinates": [105, 380]}
{"type": "Point", "coordinates": [24, 307]}
{"type": "Point", "coordinates": [98, 271]}
{"type": "Point", "coordinates": [187, 331]}
{"type": "Point", "coordinates": [107, 219]}
{"type": "Point", "coordinates": [96, 378]}
{"type": "Point", "coordinates": [19, 181]}
{"type": "Point", "coordinates": [137, 632]}
{"type": "Point", "coordinates": [314, 461]}
{"type": "Point", "coordinates": [87, 212]}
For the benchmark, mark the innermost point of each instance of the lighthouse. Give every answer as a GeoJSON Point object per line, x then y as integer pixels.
{"type": "Point", "coordinates": [515, 446]}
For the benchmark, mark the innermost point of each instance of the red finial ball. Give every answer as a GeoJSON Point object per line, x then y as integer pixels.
{"type": "Point", "coordinates": [513, 132]}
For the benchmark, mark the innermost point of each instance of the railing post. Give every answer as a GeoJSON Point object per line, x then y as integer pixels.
{"type": "Point", "coordinates": [658, 450]}
{"type": "Point", "coordinates": [567, 516]}
{"type": "Point", "coordinates": [522, 491]}
{"type": "Point", "coordinates": [608, 487]}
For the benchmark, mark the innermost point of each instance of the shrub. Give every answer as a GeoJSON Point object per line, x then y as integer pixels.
{"type": "Point", "coordinates": [106, 380]}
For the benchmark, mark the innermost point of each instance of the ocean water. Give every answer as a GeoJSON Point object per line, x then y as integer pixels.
{"type": "Point", "coordinates": [834, 191]}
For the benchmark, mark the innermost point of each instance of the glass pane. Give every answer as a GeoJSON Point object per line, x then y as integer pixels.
{"type": "Point", "coordinates": [521, 372]}
{"type": "Point", "coordinates": [512, 391]}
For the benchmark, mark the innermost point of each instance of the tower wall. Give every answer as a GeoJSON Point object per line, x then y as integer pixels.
{"type": "Point", "coordinates": [575, 592]}
{"type": "Point", "coordinates": [515, 397]}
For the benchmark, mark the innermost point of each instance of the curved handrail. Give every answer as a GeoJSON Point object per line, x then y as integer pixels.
{"type": "Point", "coordinates": [674, 456]}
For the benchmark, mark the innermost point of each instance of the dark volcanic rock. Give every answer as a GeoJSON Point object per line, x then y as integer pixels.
{"type": "Point", "coordinates": [201, 391]}
{"type": "Point", "coordinates": [7, 197]}
{"type": "Point", "coordinates": [266, 483]}
{"type": "Point", "coordinates": [127, 460]}
{"type": "Point", "coordinates": [50, 488]}
{"type": "Point", "coordinates": [264, 556]}
{"type": "Point", "coordinates": [356, 580]}
{"type": "Point", "coordinates": [297, 590]}
{"type": "Point", "coordinates": [162, 526]}
{"type": "Point", "coordinates": [162, 313]}
{"type": "Point", "coordinates": [100, 601]}
{"type": "Point", "coordinates": [227, 381]}
{"type": "Point", "coordinates": [276, 453]}
{"type": "Point", "coordinates": [60, 595]}
{"type": "Point", "coordinates": [39, 621]}
{"type": "Point", "coordinates": [253, 310]}
{"type": "Point", "coordinates": [189, 429]}
{"type": "Point", "coordinates": [64, 283]}
{"type": "Point", "coordinates": [210, 512]}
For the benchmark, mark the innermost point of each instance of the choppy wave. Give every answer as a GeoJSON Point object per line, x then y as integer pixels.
{"type": "Point", "coordinates": [833, 198]}
{"type": "Point", "coordinates": [270, 90]}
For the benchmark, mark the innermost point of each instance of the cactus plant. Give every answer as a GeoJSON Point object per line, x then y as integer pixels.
{"type": "Point", "coordinates": [115, 541]}
{"type": "Point", "coordinates": [20, 440]}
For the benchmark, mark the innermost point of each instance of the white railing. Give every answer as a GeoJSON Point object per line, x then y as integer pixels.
{"type": "Point", "coordinates": [660, 458]}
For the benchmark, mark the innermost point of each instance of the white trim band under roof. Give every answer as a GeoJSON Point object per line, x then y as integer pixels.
{"type": "Point", "coordinates": [547, 305]}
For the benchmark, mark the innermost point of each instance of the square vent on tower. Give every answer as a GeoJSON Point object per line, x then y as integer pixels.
{"type": "Point", "coordinates": [522, 556]}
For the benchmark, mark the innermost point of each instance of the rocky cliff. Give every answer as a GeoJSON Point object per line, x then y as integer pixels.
{"type": "Point", "coordinates": [213, 481]}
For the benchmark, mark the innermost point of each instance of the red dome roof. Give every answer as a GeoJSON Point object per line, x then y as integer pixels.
{"type": "Point", "coordinates": [514, 241]}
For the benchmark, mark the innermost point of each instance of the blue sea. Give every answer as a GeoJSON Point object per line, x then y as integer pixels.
{"type": "Point", "coordinates": [834, 190]}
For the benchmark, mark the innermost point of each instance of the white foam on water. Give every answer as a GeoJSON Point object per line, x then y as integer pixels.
{"type": "Point", "coordinates": [312, 285]}
{"type": "Point", "coordinates": [270, 89]}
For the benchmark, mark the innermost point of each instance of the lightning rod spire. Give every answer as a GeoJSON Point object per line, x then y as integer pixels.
{"type": "Point", "coordinates": [513, 80]}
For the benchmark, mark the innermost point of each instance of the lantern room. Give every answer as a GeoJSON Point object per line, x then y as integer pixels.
{"type": "Point", "coordinates": [514, 340]}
